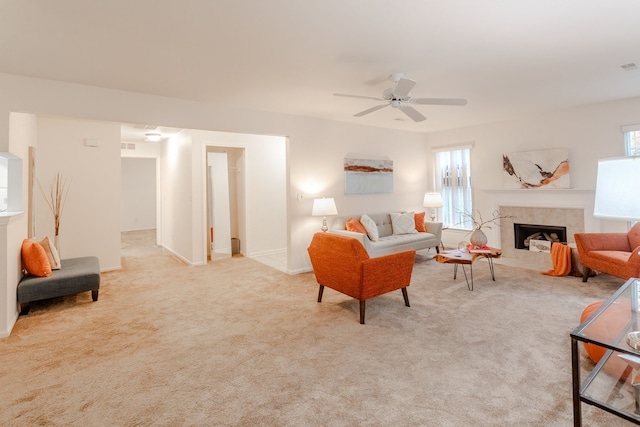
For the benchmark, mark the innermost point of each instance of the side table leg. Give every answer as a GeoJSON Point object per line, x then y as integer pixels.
{"type": "Point", "coordinates": [493, 276]}
{"type": "Point", "coordinates": [469, 285]}
{"type": "Point", "coordinates": [455, 271]}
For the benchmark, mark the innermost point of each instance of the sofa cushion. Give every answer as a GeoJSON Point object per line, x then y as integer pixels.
{"type": "Point", "coordinates": [620, 258]}
{"type": "Point", "coordinates": [400, 239]}
{"type": "Point", "coordinates": [419, 220]}
{"type": "Point", "coordinates": [354, 225]}
{"type": "Point", "coordinates": [403, 223]}
{"type": "Point", "coordinates": [370, 226]}
{"type": "Point", "coordinates": [34, 259]}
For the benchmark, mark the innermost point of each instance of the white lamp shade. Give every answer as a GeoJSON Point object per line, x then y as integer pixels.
{"type": "Point", "coordinates": [324, 207]}
{"type": "Point", "coordinates": [432, 200]}
{"type": "Point", "coordinates": [616, 189]}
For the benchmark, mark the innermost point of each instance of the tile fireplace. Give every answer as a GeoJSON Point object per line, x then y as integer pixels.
{"type": "Point", "coordinates": [563, 222]}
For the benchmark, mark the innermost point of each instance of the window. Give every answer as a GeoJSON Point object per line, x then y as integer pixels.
{"type": "Point", "coordinates": [453, 181]}
{"type": "Point", "coordinates": [632, 142]}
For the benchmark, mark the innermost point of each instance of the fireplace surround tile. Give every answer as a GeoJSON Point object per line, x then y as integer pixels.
{"type": "Point", "coordinates": [571, 218]}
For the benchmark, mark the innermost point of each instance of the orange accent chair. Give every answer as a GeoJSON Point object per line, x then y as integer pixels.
{"type": "Point", "coordinates": [617, 254]}
{"type": "Point", "coordinates": [342, 264]}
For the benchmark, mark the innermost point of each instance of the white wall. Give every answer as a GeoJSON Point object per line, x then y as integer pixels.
{"type": "Point", "coordinates": [90, 221]}
{"type": "Point", "coordinates": [22, 135]}
{"type": "Point", "coordinates": [264, 201]}
{"type": "Point", "coordinates": [138, 194]}
{"type": "Point", "coordinates": [590, 133]}
{"type": "Point", "coordinates": [176, 202]}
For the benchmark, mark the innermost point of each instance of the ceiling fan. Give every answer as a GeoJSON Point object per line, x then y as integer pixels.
{"type": "Point", "coordinates": [398, 97]}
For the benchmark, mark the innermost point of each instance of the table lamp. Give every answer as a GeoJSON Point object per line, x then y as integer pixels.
{"type": "Point", "coordinates": [323, 207]}
{"type": "Point", "coordinates": [615, 197]}
{"type": "Point", "coordinates": [433, 201]}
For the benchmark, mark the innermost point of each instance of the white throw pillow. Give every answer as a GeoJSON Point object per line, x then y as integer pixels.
{"type": "Point", "coordinates": [370, 226]}
{"type": "Point", "coordinates": [403, 223]}
{"type": "Point", "coordinates": [50, 250]}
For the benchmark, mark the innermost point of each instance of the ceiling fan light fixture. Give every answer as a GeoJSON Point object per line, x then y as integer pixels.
{"type": "Point", "coordinates": [153, 136]}
{"type": "Point", "coordinates": [400, 97]}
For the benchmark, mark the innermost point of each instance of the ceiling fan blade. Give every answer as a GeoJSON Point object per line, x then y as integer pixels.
{"type": "Point", "coordinates": [412, 113]}
{"type": "Point", "coordinates": [357, 96]}
{"type": "Point", "coordinates": [403, 88]}
{"type": "Point", "coordinates": [377, 80]}
{"type": "Point", "coordinates": [439, 101]}
{"type": "Point", "coordinates": [371, 110]}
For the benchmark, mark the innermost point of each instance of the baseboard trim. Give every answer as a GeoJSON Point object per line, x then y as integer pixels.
{"type": "Point", "coordinates": [12, 323]}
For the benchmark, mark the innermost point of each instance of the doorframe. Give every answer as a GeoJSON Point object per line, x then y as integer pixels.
{"type": "Point", "coordinates": [240, 193]}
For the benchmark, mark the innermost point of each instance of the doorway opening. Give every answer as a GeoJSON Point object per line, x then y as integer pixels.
{"type": "Point", "coordinates": [224, 189]}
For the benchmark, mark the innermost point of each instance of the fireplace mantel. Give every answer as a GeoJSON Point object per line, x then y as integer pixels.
{"type": "Point", "coordinates": [543, 198]}
{"type": "Point", "coordinates": [530, 191]}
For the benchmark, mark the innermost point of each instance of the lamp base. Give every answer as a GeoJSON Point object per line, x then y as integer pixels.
{"type": "Point", "coordinates": [324, 225]}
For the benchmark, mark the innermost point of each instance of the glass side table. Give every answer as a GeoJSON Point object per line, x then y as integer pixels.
{"type": "Point", "coordinates": [613, 384]}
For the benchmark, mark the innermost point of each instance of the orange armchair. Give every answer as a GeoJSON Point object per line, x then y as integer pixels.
{"type": "Point", "coordinates": [617, 254]}
{"type": "Point", "coordinates": [342, 264]}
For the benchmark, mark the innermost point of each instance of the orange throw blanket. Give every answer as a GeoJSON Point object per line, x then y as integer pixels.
{"type": "Point", "coordinates": [561, 257]}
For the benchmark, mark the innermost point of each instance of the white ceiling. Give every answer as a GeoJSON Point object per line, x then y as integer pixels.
{"type": "Point", "coordinates": [508, 58]}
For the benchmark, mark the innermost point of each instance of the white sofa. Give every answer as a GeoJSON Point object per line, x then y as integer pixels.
{"type": "Point", "coordinates": [388, 242]}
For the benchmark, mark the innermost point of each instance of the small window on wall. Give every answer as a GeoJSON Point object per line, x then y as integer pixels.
{"type": "Point", "coordinates": [631, 144]}
{"type": "Point", "coordinates": [632, 141]}
{"type": "Point", "coordinates": [453, 181]}
{"type": "Point", "coordinates": [10, 183]}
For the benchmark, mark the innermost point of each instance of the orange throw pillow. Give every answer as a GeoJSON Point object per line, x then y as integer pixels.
{"type": "Point", "coordinates": [419, 218]}
{"type": "Point", "coordinates": [354, 225]}
{"type": "Point", "coordinates": [35, 259]}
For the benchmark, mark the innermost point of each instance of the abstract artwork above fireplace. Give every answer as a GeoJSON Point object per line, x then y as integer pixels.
{"type": "Point", "coordinates": [536, 169]}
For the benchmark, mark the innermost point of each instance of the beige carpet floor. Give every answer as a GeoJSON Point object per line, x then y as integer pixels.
{"type": "Point", "coordinates": [239, 343]}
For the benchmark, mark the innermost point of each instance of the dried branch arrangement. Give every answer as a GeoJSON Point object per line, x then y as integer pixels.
{"type": "Point", "coordinates": [57, 196]}
{"type": "Point", "coordinates": [479, 222]}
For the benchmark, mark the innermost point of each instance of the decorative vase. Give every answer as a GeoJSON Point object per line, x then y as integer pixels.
{"type": "Point", "coordinates": [56, 242]}
{"type": "Point", "coordinates": [478, 238]}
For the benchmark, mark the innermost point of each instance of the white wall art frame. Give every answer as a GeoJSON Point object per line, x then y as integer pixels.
{"type": "Point", "coordinates": [367, 174]}
{"type": "Point", "coordinates": [536, 169]}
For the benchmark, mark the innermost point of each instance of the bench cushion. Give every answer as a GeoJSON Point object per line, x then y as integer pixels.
{"type": "Point", "coordinates": [76, 275]}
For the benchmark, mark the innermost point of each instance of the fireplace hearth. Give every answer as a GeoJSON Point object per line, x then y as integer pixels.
{"type": "Point", "coordinates": [524, 233]}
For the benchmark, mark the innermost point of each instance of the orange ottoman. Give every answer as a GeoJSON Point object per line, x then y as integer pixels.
{"type": "Point", "coordinates": [608, 327]}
